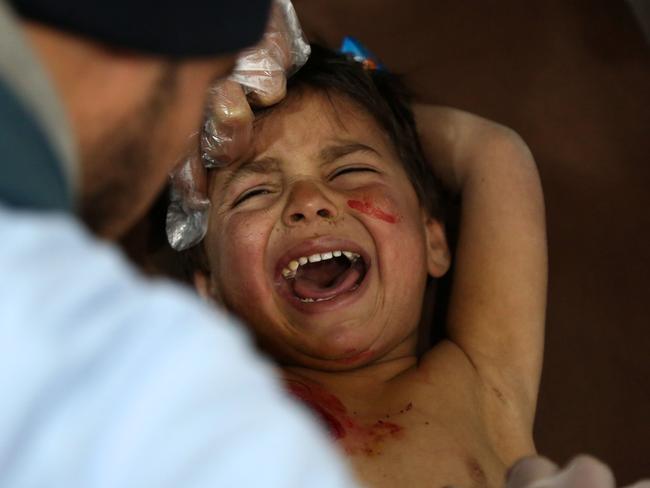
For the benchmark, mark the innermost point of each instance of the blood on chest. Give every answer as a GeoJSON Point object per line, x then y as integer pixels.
{"type": "Point", "coordinates": [355, 435]}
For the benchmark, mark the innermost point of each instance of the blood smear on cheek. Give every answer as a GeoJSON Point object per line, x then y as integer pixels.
{"type": "Point", "coordinates": [368, 209]}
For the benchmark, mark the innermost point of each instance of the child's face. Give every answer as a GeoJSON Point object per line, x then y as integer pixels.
{"type": "Point", "coordinates": [322, 180]}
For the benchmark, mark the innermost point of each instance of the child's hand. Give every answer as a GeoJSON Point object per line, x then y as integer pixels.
{"type": "Point", "coordinates": [581, 472]}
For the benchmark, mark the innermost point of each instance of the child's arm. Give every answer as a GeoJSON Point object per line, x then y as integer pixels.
{"type": "Point", "coordinates": [497, 305]}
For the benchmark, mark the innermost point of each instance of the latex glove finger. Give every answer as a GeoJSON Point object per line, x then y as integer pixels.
{"type": "Point", "coordinates": [581, 472]}
{"type": "Point", "coordinates": [640, 484]}
{"type": "Point", "coordinates": [261, 73]}
{"type": "Point", "coordinates": [187, 214]}
{"type": "Point", "coordinates": [227, 129]}
{"type": "Point", "coordinates": [528, 470]}
{"type": "Point", "coordinates": [259, 77]}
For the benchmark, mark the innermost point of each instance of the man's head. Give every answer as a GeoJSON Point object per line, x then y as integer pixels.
{"type": "Point", "coordinates": [133, 85]}
{"type": "Point", "coordinates": [323, 238]}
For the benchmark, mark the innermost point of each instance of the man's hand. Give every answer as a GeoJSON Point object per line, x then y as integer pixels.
{"type": "Point", "coordinates": [259, 79]}
{"type": "Point", "coordinates": [581, 472]}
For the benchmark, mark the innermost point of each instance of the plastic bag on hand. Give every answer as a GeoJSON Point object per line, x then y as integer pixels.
{"type": "Point", "coordinates": [263, 69]}
{"type": "Point", "coordinates": [260, 79]}
{"type": "Point", "coordinates": [187, 214]}
{"type": "Point", "coordinates": [228, 127]}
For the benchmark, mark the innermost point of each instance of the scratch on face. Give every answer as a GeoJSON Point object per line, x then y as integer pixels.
{"type": "Point", "coordinates": [366, 207]}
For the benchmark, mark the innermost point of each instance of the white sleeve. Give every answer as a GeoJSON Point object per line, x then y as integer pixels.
{"type": "Point", "coordinates": [111, 380]}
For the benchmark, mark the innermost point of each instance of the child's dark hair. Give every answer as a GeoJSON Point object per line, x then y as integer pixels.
{"type": "Point", "coordinates": [384, 97]}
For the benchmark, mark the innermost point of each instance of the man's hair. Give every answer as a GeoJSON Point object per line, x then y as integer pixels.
{"type": "Point", "coordinates": [383, 96]}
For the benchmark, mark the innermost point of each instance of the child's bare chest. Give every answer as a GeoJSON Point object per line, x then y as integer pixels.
{"type": "Point", "coordinates": [405, 437]}
{"type": "Point", "coordinates": [419, 449]}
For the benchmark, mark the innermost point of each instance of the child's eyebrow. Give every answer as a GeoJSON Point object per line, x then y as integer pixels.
{"type": "Point", "coordinates": [336, 151]}
{"type": "Point", "coordinates": [269, 165]}
{"type": "Point", "coordinates": [256, 166]}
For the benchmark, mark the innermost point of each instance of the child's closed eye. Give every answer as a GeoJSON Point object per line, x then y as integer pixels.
{"type": "Point", "coordinates": [253, 192]}
{"type": "Point", "coordinates": [351, 169]}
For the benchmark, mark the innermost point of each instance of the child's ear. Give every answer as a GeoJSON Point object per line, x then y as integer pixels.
{"type": "Point", "coordinates": [438, 257]}
{"type": "Point", "coordinates": [202, 284]}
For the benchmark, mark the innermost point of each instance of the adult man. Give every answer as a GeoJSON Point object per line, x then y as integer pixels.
{"type": "Point", "coordinates": [109, 380]}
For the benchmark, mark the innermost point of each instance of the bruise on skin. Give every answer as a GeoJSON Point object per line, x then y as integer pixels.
{"type": "Point", "coordinates": [369, 440]}
{"type": "Point", "coordinates": [476, 471]}
{"type": "Point", "coordinates": [357, 438]}
{"type": "Point", "coordinates": [499, 395]}
{"type": "Point", "coordinates": [408, 407]}
{"type": "Point", "coordinates": [366, 207]}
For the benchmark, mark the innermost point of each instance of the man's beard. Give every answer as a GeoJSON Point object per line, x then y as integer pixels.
{"type": "Point", "coordinates": [119, 172]}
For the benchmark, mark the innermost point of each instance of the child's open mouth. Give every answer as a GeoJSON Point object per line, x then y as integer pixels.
{"type": "Point", "coordinates": [324, 276]}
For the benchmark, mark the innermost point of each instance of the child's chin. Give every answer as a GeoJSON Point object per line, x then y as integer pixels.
{"type": "Point", "coordinates": [335, 354]}
{"type": "Point", "coordinates": [333, 365]}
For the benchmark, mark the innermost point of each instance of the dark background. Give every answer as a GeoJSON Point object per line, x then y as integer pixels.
{"type": "Point", "coordinates": [573, 78]}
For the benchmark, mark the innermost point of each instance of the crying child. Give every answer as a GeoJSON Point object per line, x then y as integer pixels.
{"type": "Point", "coordinates": [323, 240]}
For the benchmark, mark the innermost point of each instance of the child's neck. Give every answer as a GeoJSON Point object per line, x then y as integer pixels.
{"type": "Point", "coordinates": [363, 380]}
{"type": "Point", "coordinates": [349, 403]}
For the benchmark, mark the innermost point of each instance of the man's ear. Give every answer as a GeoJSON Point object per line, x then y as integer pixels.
{"type": "Point", "coordinates": [438, 257]}
{"type": "Point", "coordinates": [202, 284]}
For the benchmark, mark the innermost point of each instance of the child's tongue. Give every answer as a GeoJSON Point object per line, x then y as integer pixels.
{"type": "Point", "coordinates": [326, 279]}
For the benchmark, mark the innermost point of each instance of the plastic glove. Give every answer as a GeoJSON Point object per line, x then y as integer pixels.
{"type": "Point", "coordinates": [187, 214]}
{"type": "Point", "coordinates": [581, 472]}
{"type": "Point", "coordinates": [259, 79]}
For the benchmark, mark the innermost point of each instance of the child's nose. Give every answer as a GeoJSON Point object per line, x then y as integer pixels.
{"type": "Point", "coordinates": [308, 203]}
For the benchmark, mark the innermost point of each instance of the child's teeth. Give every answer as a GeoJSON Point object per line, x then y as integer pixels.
{"type": "Point", "coordinates": [290, 271]}
{"type": "Point", "coordinates": [311, 300]}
